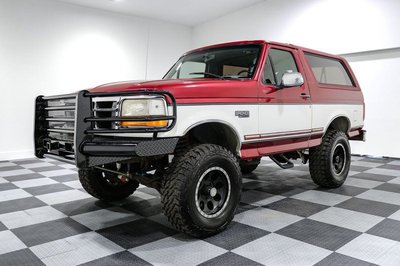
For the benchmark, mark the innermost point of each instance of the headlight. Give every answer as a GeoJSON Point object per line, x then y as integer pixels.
{"type": "Point", "coordinates": [144, 107]}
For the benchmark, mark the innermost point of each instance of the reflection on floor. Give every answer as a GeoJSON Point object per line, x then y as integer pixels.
{"type": "Point", "coordinates": [284, 219]}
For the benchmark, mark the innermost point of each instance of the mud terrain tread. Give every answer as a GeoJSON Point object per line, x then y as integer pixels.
{"type": "Point", "coordinates": [320, 160]}
{"type": "Point", "coordinates": [175, 184]}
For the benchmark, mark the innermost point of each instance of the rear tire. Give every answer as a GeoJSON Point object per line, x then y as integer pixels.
{"type": "Point", "coordinates": [330, 162]}
{"type": "Point", "coordinates": [248, 167]}
{"type": "Point", "coordinates": [105, 186]}
{"type": "Point", "coordinates": [201, 190]}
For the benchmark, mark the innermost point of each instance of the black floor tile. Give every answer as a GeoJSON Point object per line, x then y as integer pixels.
{"type": "Point", "coordinates": [2, 227]}
{"type": "Point", "coordinates": [389, 187]}
{"type": "Point", "coordinates": [23, 177]}
{"type": "Point", "coordinates": [81, 206]}
{"type": "Point", "coordinates": [344, 190]}
{"type": "Point", "coordinates": [145, 208]}
{"type": "Point", "coordinates": [23, 257]}
{"type": "Point", "coordinates": [230, 259]}
{"type": "Point", "coordinates": [7, 186]}
{"type": "Point", "coordinates": [319, 234]}
{"type": "Point", "coordinates": [47, 168]}
{"type": "Point", "coordinates": [20, 204]}
{"type": "Point", "coordinates": [374, 177]}
{"type": "Point", "coordinates": [47, 189]}
{"type": "Point", "coordinates": [388, 228]}
{"type": "Point", "coordinates": [357, 168]}
{"type": "Point", "coordinates": [27, 161]}
{"type": "Point", "coordinates": [336, 259]}
{"type": "Point", "coordinates": [136, 233]}
{"type": "Point", "coordinates": [390, 166]}
{"type": "Point", "coordinates": [10, 168]}
{"type": "Point", "coordinates": [236, 235]}
{"type": "Point", "coordinates": [37, 234]}
{"type": "Point", "coordinates": [296, 207]}
{"type": "Point", "coordinates": [122, 258]}
{"type": "Point", "coordinates": [369, 207]}
{"type": "Point", "coordinates": [65, 178]}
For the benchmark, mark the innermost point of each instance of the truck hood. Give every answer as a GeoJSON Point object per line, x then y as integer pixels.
{"type": "Point", "coordinates": [181, 88]}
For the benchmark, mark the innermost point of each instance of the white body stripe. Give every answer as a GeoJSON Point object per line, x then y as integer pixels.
{"type": "Point", "coordinates": [263, 118]}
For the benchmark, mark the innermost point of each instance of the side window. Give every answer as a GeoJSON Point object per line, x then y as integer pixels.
{"type": "Point", "coordinates": [328, 70]}
{"type": "Point", "coordinates": [191, 67]}
{"type": "Point", "coordinates": [279, 62]}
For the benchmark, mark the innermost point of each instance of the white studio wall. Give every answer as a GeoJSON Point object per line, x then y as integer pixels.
{"type": "Point", "coordinates": [49, 47]}
{"type": "Point", "coordinates": [338, 27]}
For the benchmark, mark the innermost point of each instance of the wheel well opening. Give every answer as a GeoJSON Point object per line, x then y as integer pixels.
{"type": "Point", "coordinates": [215, 133]}
{"type": "Point", "coordinates": [341, 124]}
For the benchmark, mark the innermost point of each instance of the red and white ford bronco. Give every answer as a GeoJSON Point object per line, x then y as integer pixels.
{"type": "Point", "coordinates": [216, 112]}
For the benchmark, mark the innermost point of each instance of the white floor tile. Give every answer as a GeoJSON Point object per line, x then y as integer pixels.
{"type": "Point", "coordinates": [397, 162]}
{"type": "Point", "coordinates": [395, 181]}
{"type": "Point", "coordinates": [67, 166]}
{"type": "Point", "coordinates": [76, 249]}
{"type": "Point", "coordinates": [381, 196]}
{"type": "Point", "coordinates": [266, 219]}
{"type": "Point", "coordinates": [159, 252]}
{"type": "Point", "coordinates": [34, 182]}
{"type": "Point", "coordinates": [73, 184]}
{"type": "Point", "coordinates": [368, 248]}
{"type": "Point", "coordinates": [363, 183]}
{"type": "Point", "coordinates": [2, 180]}
{"type": "Point", "coordinates": [357, 221]}
{"type": "Point", "coordinates": [10, 242]}
{"type": "Point", "coordinates": [321, 197]}
{"type": "Point", "coordinates": [31, 216]}
{"type": "Point", "coordinates": [60, 172]}
{"type": "Point", "coordinates": [142, 195]}
{"type": "Point", "coordinates": [7, 164]}
{"type": "Point", "coordinates": [395, 216]}
{"type": "Point", "coordinates": [13, 194]}
{"type": "Point", "coordinates": [105, 218]}
{"type": "Point", "coordinates": [351, 173]}
{"type": "Point", "coordinates": [277, 250]}
{"type": "Point", "coordinates": [15, 172]}
{"type": "Point", "coordinates": [248, 196]}
{"type": "Point", "coordinates": [63, 196]}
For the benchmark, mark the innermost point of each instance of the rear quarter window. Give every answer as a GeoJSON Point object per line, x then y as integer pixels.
{"type": "Point", "coordinates": [328, 70]}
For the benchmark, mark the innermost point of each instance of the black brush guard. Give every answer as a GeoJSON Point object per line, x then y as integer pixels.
{"type": "Point", "coordinates": [65, 130]}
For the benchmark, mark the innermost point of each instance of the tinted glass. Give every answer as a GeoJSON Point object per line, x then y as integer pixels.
{"type": "Point", "coordinates": [328, 70]}
{"type": "Point", "coordinates": [281, 62]}
{"type": "Point", "coordinates": [223, 62]}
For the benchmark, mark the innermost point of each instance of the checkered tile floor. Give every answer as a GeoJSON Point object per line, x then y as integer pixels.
{"type": "Point", "coordinates": [284, 219]}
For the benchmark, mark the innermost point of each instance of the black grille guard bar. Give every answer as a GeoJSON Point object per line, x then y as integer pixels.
{"type": "Point", "coordinates": [85, 152]}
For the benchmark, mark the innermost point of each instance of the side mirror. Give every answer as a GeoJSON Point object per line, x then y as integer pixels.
{"type": "Point", "coordinates": [292, 79]}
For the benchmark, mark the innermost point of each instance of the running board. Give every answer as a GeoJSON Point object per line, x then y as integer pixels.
{"type": "Point", "coordinates": [282, 161]}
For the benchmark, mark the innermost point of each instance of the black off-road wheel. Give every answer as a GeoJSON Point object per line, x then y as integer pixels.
{"type": "Point", "coordinates": [105, 185]}
{"type": "Point", "coordinates": [248, 166]}
{"type": "Point", "coordinates": [330, 162]}
{"type": "Point", "coordinates": [201, 190]}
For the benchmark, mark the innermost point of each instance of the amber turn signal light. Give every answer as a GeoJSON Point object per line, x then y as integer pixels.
{"type": "Point", "coordinates": [159, 123]}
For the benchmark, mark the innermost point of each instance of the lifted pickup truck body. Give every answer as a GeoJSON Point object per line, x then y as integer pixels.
{"type": "Point", "coordinates": [242, 100]}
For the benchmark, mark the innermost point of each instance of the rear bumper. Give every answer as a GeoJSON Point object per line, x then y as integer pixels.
{"type": "Point", "coordinates": [72, 135]}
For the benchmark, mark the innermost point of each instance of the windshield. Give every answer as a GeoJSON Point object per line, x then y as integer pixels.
{"type": "Point", "coordinates": [234, 62]}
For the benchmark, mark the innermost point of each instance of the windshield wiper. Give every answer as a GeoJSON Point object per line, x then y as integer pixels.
{"type": "Point", "coordinates": [207, 73]}
{"type": "Point", "coordinates": [213, 75]}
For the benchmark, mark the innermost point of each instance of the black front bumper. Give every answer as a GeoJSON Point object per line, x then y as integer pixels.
{"type": "Point", "coordinates": [71, 135]}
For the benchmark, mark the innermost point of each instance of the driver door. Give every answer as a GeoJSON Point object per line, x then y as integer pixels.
{"type": "Point", "coordinates": [284, 112]}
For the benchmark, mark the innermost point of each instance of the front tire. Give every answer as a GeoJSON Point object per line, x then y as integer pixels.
{"type": "Point", "coordinates": [106, 186]}
{"type": "Point", "coordinates": [330, 162]}
{"type": "Point", "coordinates": [201, 190]}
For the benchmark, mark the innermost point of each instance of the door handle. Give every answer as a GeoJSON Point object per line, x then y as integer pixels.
{"type": "Point", "coordinates": [305, 95]}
